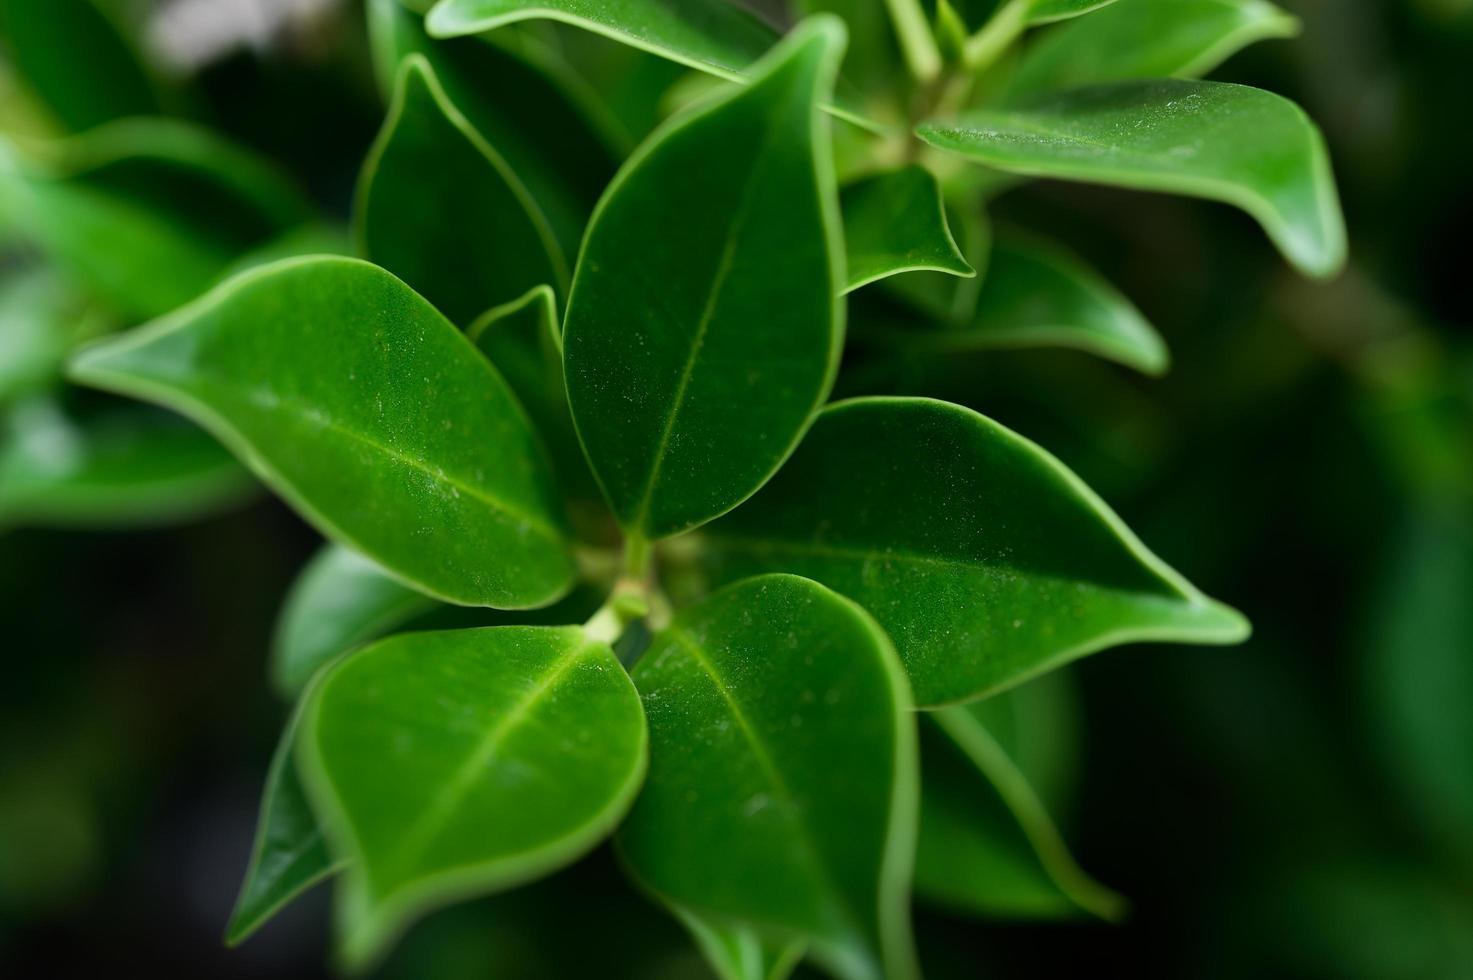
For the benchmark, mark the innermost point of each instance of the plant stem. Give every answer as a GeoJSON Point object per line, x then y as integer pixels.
{"type": "Point", "coordinates": [997, 35]}
{"type": "Point", "coordinates": [917, 44]}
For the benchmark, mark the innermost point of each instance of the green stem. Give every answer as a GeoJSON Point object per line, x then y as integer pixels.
{"type": "Point", "coordinates": [917, 44]}
{"type": "Point", "coordinates": [997, 35]}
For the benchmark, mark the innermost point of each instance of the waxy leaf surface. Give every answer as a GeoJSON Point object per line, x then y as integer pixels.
{"type": "Point", "coordinates": [984, 558]}
{"type": "Point", "coordinates": [1046, 11]}
{"type": "Point", "coordinates": [439, 207]}
{"type": "Point", "coordinates": [988, 845]}
{"type": "Point", "coordinates": [289, 854]}
{"type": "Point", "coordinates": [1230, 143]}
{"type": "Point", "coordinates": [896, 222]}
{"type": "Point", "coordinates": [447, 765]}
{"type": "Point", "coordinates": [781, 739]}
{"type": "Point", "coordinates": [370, 413]}
{"type": "Point", "coordinates": [703, 328]}
{"type": "Point", "coordinates": [1147, 39]}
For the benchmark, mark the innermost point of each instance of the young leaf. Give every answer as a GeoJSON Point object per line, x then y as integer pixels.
{"type": "Point", "coordinates": [549, 135]}
{"type": "Point", "coordinates": [289, 854]}
{"type": "Point", "coordinates": [738, 952]}
{"type": "Point", "coordinates": [524, 340]}
{"type": "Point", "coordinates": [896, 222]}
{"type": "Point", "coordinates": [1229, 143]}
{"type": "Point", "coordinates": [146, 212]}
{"type": "Point", "coordinates": [1040, 297]}
{"type": "Point", "coordinates": [987, 844]}
{"type": "Point", "coordinates": [984, 558]}
{"type": "Point", "coordinates": [703, 328]}
{"type": "Point", "coordinates": [781, 740]}
{"type": "Point", "coordinates": [717, 37]}
{"type": "Point", "coordinates": [1148, 39]}
{"type": "Point", "coordinates": [371, 414]}
{"type": "Point", "coordinates": [340, 600]}
{"type": "Point", "coordinates": [469, 238]}
{"type": "Point", "coordinates": [124, 467]}
{"type": "Point", "coordinates": [445, 765]}
{"type": "Point", "coordinates": [77, 60]}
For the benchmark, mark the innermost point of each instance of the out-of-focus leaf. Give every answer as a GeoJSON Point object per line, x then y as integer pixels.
{"type": "Point", "coordinates": [1047, 11]}
{"type": "Point", "coordinates": [894, 223]}
{"type": "Point", "coordinates": [985, 559]}
{"type": "Point", "coordinates": [41, 318]}
{"type": "Point", "coordinates": [371, 414]}
{"type": "Point", "coordinates": [1229, 143]}
{"type": "Point", "coordinates": [467, 239]}
{"type": "Point", "coordinates": [1148, 39]}
{"type": "Point", "coordinates": [738, 952]}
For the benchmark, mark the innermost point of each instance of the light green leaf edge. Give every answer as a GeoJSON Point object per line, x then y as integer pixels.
{"type": "Point", "coordinates": [445, 887]}
{"type": "Point", "coordinates": [79, 370]}
{"type": "Point", "coordinates": [443, 22]}
{"type": "Point", "coordinates": [418, 63]}
{"type": "Point", "coordinates": [1288, 241]}
{"type": "Point", "coordinates": [993, 764]}
{"type": "Point", "coordinates": [958, 266]}
{"type": "Point", "coordinates": [1065, 11]}
{"type": "Point", "coordinates": [737, 952]}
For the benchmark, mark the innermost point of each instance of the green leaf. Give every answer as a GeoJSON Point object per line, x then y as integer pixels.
{"type": "Point", "coordinates": [289, 854]}
{"type": "Point", "coordinates": [41, 318]}
{"type": "Point", "coordinates": [339, 601]}
{"type": "Point", "coordinates": [1047, 11]}
{"type": "Point", "coordinates": [465, 240]}
{"type": "Point", "coordinates": [445, 765]}
{"type": "Point", "coordinates": [1037, 296]}
{"type": "Point", "coordinates": [738, 952]}
{"type": "Point", "coordinates": [895, 222]}
{"type": "Point", "coordinates": [371, 414]}
{"type": "Point", "coordinates": [123, 467]}
{"type": "Point", "coordinates": [145, 212]}
{"type": "Point", "coordinates": [987, 843]}
{"type": "Point", "coordinates": [703, 328]}
{"type": "Point", "coordinates": [1148, 39]}
{"type": "Point", "coordinates": [77, 60]}
{"type": "Point", "coordinates": [523, 339]}
{"type": "Point", "coordinates": [551, 135]}
{"type": "Point", "coordinates": [1229, 143]}
{"type": "Point", "coordinates": [984, 558]}
{"type": "Point", "coordinates": [781, 740]}
{"type": "Point", "coordinates": [716, 37]}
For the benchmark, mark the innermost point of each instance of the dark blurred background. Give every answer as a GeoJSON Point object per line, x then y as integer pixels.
{"type": "Point", "coordinates": [1299, 806]}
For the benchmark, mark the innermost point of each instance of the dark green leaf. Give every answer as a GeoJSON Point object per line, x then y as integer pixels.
{"type": "Point", "coordinates": [987, 844]}
{"type": "Point", "coordinates": [985, 559]}
{"type": "Point", "coordinates": [1039, 297]}
{"type": "Point", "coordinates": [703, 328]}
{"type": "Point", "coordinates": [77, 60]}
{"type": "Point", "coordinates": [1229, 143]}
{"type": "Point", "coordinates": [469, 238]}
{"type": "Point", "coordinates": [551, 134]}
{"type": "Point", "coordinates": [1148, 39]}
{"type": "Point", "coordinates": [339, 601]}
{"type": "Point", "coordinates": [146, 212]}
{"type": "Point", "coordinates": [895, 222]}
{"type": "Point", "coordinates": [451, 764]}
{"type": "Point", "coordinates": [781, 740]}
{"type": "Point", "coordinates": [370, 413]}
{"type": "Point", "coordinates": [290, 854]}
{"type": "Point", "coordinates": [122, 468]}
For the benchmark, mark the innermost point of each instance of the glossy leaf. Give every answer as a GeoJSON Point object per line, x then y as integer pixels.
{"type": "Point", "coordinates": [289, 854]}
{"type": "Point", "coordinates": [451, 764]}
{"type": "Point", "coordinates": [703, 328]}
{"type": "Point", "coordinates": [781, 740]}
{"type": "Point", "coordinates": [1229, 143]}
{"type": "Point", "coordinates": [1046, 11]}
{"type": "Point", "coordinates": [1039, 297]}
{"type": "Point", "coordinates": [987, 843]}
{"type": "Point", "coordinates": [123, 467]}
{"type": "Point", "coordinates": [717, 37]}
{"type": "Point", "coordinates": [371, 414]}
{"type": "Point", "coordinates": [984, 558]}
{"type": "Point", "coordinates": [339, 601]}
{"type": "Point", "coordinates": [523, 339]}
{"type": "Point", "coordinates": [467, 239]}
{"type": "Point", "coordinates": [549, 134]}
{"type": "Point", "coordinates": [894, 223]}
{"type": "Point", "coordinates": [146, 212]}
{"type": "Point", "coordinates": [1148, 39]}
{"type": "Point", "coordinates": [73, 55]}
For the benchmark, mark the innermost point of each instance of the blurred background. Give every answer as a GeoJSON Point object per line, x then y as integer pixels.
{"type": "Point", "coordinates": [1299, 806]}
